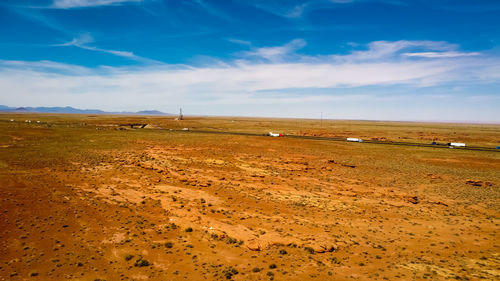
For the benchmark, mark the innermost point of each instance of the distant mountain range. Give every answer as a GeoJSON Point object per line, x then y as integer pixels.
{"type": "Point", "coordinates": [72, 110]}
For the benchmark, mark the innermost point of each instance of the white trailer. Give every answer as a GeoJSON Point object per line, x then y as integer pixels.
{"type": "Point", "coordinates": [271, 134]}
{"type": "Point", "coordinates": [354, 140]}
{"type": "Point", "coordinates": [456, 144]}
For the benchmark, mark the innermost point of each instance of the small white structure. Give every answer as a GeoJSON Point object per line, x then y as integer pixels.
{"type": "Point", "coordinates": [456, 144]}
{"type": "Point", "coordinates": [271, 134]}
{"type": "Point", "coordinates": [354, 139]}
{"type": "Point", "coordinates": [11, 120]}
{"type": "Point", "coordinates": [185, 129]}
{"type": "Point", "coordinates": [38, 121]}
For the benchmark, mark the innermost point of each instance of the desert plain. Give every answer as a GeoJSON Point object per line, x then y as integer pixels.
{"type": "Point", "coordinates": [88, 197]}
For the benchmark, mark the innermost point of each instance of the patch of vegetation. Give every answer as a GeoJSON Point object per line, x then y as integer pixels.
{"type": "Point", "coordinates": [140, 262]}
{"type": "Point", "coordinates": [334, 260]}
{"type": "Point", "coordinates": [129, 257]}
{"type": "Point", "coordinates": [229, 272]}
{"type": "Point", "coordinates": [189, 229]}
{"type": "Point", "coordinates": [309, 250]}
{"type": "Point", "coordinates": [231, 240]}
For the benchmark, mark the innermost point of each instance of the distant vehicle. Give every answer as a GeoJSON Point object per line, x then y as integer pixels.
{"type": "Point", "coordinates": [456, 144]}
{"type": "Point", "coordinates": [271, 134]}
{"type": "Point", "coordinates": [434, 143]}
{"type": "Point", "coordinates": [354, 139]}
{"type": "Point", "coordinates": [498, 147]}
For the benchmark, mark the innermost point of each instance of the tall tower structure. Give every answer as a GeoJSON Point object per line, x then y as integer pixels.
{"type": "Point", "coordinates": [180, 114]}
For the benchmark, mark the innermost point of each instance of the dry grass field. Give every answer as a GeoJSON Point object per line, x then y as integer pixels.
{"type": "Point", "coordinates": [84, 198]}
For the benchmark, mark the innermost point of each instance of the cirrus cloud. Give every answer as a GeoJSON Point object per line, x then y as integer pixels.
{"type": "Point", "coordinates": [71, 4]}
{"type": "Point", "coordinates": [258, 78]}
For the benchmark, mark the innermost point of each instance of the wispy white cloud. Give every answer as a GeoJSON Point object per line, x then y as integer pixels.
{"type": "Point", "coordinates": [297, 9]}
{"type": "Point", "coordinates": [83, 40]}
{"type": "Point", "coordinates": [270, 79]}
{"type": "Point", "coordinates": [213, 10]}
{"type": "Point", "coordinates": [296, 12]}
{"type": "Point", "coordinates": [71, 4]}
{"type": "Point", "coordinates": [276, 54]}
{"type": "Point", "coordinates": [441, 54]}
{"type": "Point", "coordinates": [383, 50]}
{"type": "Point", "coordinates": [239, 41]}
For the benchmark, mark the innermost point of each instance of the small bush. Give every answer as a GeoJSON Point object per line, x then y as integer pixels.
{"type": "Point", "coordinates": [309, 250]}
{"type": "Point", "coordinates": [229, 272]}
{"type": "Point", "coordinates": [283, 252]}
{"type": "Point", "coordinates": [334, 260]}
{"type": "Point", "coordinates": [272, 266]}
{"type": "Point", "coordinates": [129, 257]}
{"type": "Point", "coordinates": [256, 269]}
{"type": "Point", "coordinates": [231, 240]}
{"type": "Point", "coordinates": [189, 229]}
{"type": "Point", "coordinates": [141, 263]}
{"type": "Point", "coordinates": [169, 245]}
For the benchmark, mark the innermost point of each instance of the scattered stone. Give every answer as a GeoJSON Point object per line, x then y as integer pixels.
{"type": "Point", "coordinates": [478, 183]}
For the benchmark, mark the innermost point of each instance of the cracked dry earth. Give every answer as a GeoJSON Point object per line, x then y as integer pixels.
{"type": "Point", "coordinates": [153, 205]}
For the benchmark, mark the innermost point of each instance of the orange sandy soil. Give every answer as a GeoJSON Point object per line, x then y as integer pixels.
{"type": "Point", "coordinates": [82, 199]}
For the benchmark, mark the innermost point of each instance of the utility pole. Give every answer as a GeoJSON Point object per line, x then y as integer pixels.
{"type": "Point", "coordinates": [180, 114]}
{"type": "Point", "coordinates": [321, 119]}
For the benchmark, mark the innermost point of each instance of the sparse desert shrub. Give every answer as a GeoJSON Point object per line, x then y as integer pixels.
{"type": "Point", "coordinates": [272, 266]}
{"type": "Point", "coordinates": [229, 272]}
{"type": "Point", "coordinates": [171, 225]}
{"type": "Point", "coordinates": [129, 257]}
{"type": "Point", "coordinates": [256, 269]}
{"type": "Point", "coordinates": [141, 262]}
{"type": "Point", "coordinates": [189, 229]}
{"type": "Point", "coordinates": [309, 250]}
{"type": "Point", "coordinates": [231, 240]}
{"type": "Point", "coordinates": [283, 252]}
{"type": "Point", "coordinates": [169, 245]}
{"type": "Point", "coordinates": [334, 260]}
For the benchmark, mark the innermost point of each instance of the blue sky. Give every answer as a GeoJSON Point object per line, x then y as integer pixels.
{"type": "Point", "coordinates": [430, 60]}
